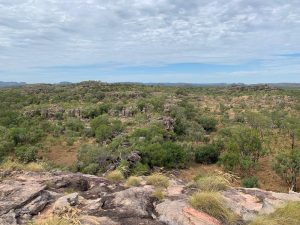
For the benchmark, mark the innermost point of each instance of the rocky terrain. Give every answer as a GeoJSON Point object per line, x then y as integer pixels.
{"type": "Point", "coordinates": [92, 200]}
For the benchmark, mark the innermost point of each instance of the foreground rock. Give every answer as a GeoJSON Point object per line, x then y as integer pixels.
{"type": "Point", "coordinates": [249, 202]}
{"type": "Point", "coordinates": [93, 200]}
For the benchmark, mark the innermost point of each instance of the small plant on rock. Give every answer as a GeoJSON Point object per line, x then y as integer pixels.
{"type": "Point", "coordinates": [158, 180]}
{"type": "Point", "coordinates": [115, 176]}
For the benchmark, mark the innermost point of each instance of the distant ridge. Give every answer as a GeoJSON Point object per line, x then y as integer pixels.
{"type": "Point", "coordinates": [64, 83]}
{"type": "Point", "coordinates": [11, 84]}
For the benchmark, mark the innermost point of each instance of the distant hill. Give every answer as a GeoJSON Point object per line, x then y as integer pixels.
{"type": "Point", "coordinates": [11, 84]}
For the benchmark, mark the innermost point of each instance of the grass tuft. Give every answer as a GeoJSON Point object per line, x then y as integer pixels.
{"type": "Point", "coordinates": [212, 203]}
{"type": "Point", "coordinates": [287, 215]}
{"type": "Point", "coordinates": [158, 180]}
{"type": "Point", "coordinates": [133, 181]}
{"type": "Point", "coordinates": [159, 194]}
{"type": "Point", "coordinates": [212, 183]}
{"type": "Point", "coordinates": [115, 176]}
{"type": "Point", "coordinates": [16, 165]}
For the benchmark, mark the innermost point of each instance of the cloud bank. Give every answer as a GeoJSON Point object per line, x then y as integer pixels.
{"type": "Point", "coordinates": [39, 35]}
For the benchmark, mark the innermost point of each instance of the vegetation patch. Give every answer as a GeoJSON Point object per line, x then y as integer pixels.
{"type": "Point", "coordinates": [212, 183]}
{"type": "Point", "coordinates": [158, 180]}
{"type": "Point", "coordinates": [115, 176]}
{"type": "Point", "coordinates": [133, 181]}
{"type": "Point", "coordinates": [287, 215]}
{"type": "Point", "coordinates": [213, 204]}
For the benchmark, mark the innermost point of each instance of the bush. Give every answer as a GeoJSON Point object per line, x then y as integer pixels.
{"type": "Point", "coordinates": [140, 169]}
{"type": "Point", "coordinates": [213, 204]}
{"type": "Point", "coordinates": [208, 123]}
{"type": "Point", "coordinates": [168, 154]}
{"type": "Point", "coordinates": [207, 154]}
{"type": "Point", "coordinates": [74, 125]}
{"type": "Point", "coordinates": [115, 176]}
{"type": "Point", "coordinates": [250, 182]}
{"type": "Point", "coordinates": [103, 132]}
{"type": "Point", "coordinates": [212, 183]}
{"type": "Point", "coordinates": [91, 169]}
{"type": "Point", "coordinates": [158, 180]}
{"type": "Point", "coordinates": [287, 215]}
{"type": "Point", "coordinates": [287, 166]}
{"type": "Point", "coordinates": [242, 150]}
{"type": "Point", "coordinates": [89, 154]}
{"type": "Point", "coordinates": [26, 154]}
{"type": "Point", "coordinates": [133, 181]}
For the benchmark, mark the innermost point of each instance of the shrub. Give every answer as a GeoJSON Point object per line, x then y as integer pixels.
{"type": "Point", "coordinates": [115, 176]}
{"type": "Point", "coordinates": [242, 150]}
{"type": "Point", "coordinates": [158, 180]}
{"type": "Point", "coordinates": [212, 183]}
{"type": "Point", "coordinates": [103, 132]}
{"type": "Point", "coordinates": [250, 182]}
{"type": "Point", "coordinates": [26, 154]}
{"type": "Point", "coordinates": [168, 154]}
{"type": "Point", "coordinates": [287, 166]}
{"type": "Point", "coordinates": [207, 154]}
{"type": "Point", "coordinates": [133, 181]}
{"type": "Point", "coordinates": [91, 168]}
{"type": "Point", "coordinates": [74, 125]}
{"type": "Point", "coordinates": [288, 215]}
{"type": "Point", "coordinates": [213, 204]}
{"type": "Point", "coordinates": [140, 169]}
{"type": "Point", "coordinates": [89, 154]}
{"type": "Point", "coordinates": [208, 123]}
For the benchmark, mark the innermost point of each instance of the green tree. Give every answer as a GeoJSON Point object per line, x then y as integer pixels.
{"type": "Point", "coordinates": [242, 150]}
{"type": "Point", "coordinates": [287, 166]}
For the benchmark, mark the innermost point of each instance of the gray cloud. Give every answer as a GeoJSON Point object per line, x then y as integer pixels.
{"type": "Point", "coordinates": [137, 32]}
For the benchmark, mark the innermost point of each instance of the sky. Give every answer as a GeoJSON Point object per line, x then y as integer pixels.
{"type": "Point", "coordinates": [192, 41]}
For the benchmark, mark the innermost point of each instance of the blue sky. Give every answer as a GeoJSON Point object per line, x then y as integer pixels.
{"type": "Point", "coordinates": [202, 41]}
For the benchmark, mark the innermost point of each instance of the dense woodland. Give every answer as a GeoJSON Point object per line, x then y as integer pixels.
{"type": "Point", "coordinates": [92, 127]}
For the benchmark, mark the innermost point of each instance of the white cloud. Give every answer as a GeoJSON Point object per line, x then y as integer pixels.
{"type": "Point", "coordinates": [36, 33]}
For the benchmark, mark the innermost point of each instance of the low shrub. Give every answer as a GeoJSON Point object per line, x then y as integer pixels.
{"type": "Point", "coordinates": [115, 176]}
{"type": "Point", "coordinates": [250, 182]}
{"type": "Point", "coordinates": [287, 215]}
{"type": "Point", "coordinates": [207, 154]}
{"type": "Point", "coordinates": [91, 169]}
{"type": "Point", "coordinates": [133, 181]}
{"type": "Point", "coordinates": [140, 169]}
{"type": "Point", "coordinates": [167, 154]}
{"type": "Point", "coordinates": [213, 204]}
{"type": "Point", "coordinates": [26, 154]}
{"type": "Point", "coordinates": [158, 180]}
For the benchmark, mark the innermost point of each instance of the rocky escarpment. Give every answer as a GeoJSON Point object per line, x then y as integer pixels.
{"type": "Point", "coordinates": [33, 195]}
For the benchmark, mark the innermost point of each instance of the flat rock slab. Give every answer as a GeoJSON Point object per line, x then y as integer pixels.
{"type": "Point", "coordinates": [179, 213]}
{"type": "Point", "coordinates": [249, 202]}
{"type": "Point", "coordinates": [15, 194]}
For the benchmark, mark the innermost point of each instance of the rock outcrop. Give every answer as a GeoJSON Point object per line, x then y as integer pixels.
{"type": "Point", "coordinates": [26, 196]}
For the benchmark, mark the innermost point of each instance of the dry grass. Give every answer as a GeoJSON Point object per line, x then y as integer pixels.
{"type": "Point", "coordinates": [212, 183]}
{"type": "Point", "coordinates": [287, 215]}
{"type": "Point", "coordinates": [159, 194]}
{"type": "Point", "coordinates": [212, 204]}
{"type": "Point", "coordinates": [55, 221]}
{"type": "Point", "coordinates": [133, 181]}
{"type": "Point", "coordinates": [16, 165]}
{"type": "Point", "coordinates": [158, 180]}
{"type": "Point", "coordinates": [115, 176]}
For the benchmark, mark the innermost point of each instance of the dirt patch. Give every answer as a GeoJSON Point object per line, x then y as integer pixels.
{"type": "Point", "coordinates": [62, 155]}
